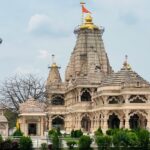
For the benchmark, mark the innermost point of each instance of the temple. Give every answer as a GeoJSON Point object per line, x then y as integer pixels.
{"type": "Point", "coordinates": [92, 94]}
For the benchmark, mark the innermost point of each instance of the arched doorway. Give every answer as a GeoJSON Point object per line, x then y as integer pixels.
{"type": "Point", "coordinates": [86, 123]}
{"type": "Point", "coordinates": [58, 123]}
{"type": "Point", "coordinates": [137, 121]}
{"type": "Point", "coordinates": [113, 121]}
{"type": "Point", "coordinates": [134, 121]}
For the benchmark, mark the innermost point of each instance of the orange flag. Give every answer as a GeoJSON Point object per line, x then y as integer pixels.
{"type": "Point", "coordinates": [84, 10]}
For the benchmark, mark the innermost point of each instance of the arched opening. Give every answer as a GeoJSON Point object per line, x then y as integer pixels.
{"type": "Point", "coordinates": [86, 123]}
{"type": "Point", "coordinates": [134, 121]}
{"type": "Point", "coordinates": [57, 101]}
{"type": "Point", "coordinates": [113, 100]}
{"type": "Point", "coordinates": [113, 121]}
{"type": "Point", "coordinates": [137, 121]}
{"type": "Point", "coordinates": [58, 123]}
{"type": "Point", "coordinates": [137, 99]}
{"type": "Point", "coordinates": [86, 96]}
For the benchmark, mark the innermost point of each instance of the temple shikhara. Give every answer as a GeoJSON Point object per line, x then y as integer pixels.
{"type": "Point", "coordinates": [92, 94]}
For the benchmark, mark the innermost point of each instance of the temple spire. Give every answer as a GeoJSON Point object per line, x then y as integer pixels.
{"type": "Point", "coordinates": [54, 75]}
{"type": "Point", "coordinates": [126, 65]}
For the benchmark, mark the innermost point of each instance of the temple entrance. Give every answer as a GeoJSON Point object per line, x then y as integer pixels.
{"type": "Point", "coordinates": [137, 121]}
{"type": "Point", "coordinates": [86, 123]}
{"type": "Point", "coordinates": [58, 123]}
{"type": "Point", "coordinates": [134, 121]}
{"type": "Point", "coordinates": [32, 129]}
{"type": "Point", "coordinates": [113, 121]}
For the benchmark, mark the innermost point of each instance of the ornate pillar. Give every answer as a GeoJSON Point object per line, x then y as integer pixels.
{"type": "Point", "coordinates": [126, 98]}
{"type": "Point", "coordinates": [105, 125]}
{"type": "Point", "coordinates": [127, 119]}
{"type": "Point", "coordinates": [50, 123]}
{"type": "Point", "coordinates": [148, 120]}
{"type": "Point", "coordinates": [42, 125]}
{"type": "Point", "coordinates": [105, 99]}
{"type": "Point", "coordinates": [79, 95]}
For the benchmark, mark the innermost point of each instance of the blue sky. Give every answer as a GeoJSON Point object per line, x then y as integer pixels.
{"type": "Point", "coordinates": [33, 30]}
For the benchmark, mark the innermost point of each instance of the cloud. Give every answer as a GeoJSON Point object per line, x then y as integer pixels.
{"type": "Point", "coordinates": [43, 54]}
{"type": "Point", "coordinates": [39, 24]}
{"type": "Point", "coordinates": [43, 25]}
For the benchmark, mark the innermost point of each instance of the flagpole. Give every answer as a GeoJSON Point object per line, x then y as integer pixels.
{"type": "Point", "coordinates": [82, 16]}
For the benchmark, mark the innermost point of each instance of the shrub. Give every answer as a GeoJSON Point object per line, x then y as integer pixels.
{"type": "Point", "coordinates": [104, 142]}
{"type": "Point", "coordinates": [6, 145]}
{"type": "Point", "coordinates": [98, 132]}
{"type": "Point", "coordinates": [1, 139]}
{"type": "Point", "coordinates": [18, 133]}
{"type": "Point", "coordinates": [72, 133]}
{"type": "Point", "coordinates": [85, 142]}
{"type": "Point", "coordinates": [15, 145]}
{"type": "Point", "coordinates": [143, 137]}
{"type": "Point", "coordinates": [55, 141]}
{"type": "Point", "coordinates": [112, 131]}
{"type": "Point", "coordinates": [132, 139]}
{"type": "Point", "coordinates": [51, 133]}
{"type": "Point", "coordinates": [71, 144]}
{"type": "Point", "coordinates": [44, 146]}
{"type": "Point", "coordinates": [120, 138]}
{"type": "Point", "coordinates": [25, 143]}
{"type": "Point", "coordinates": [58, 131]}
{"type": "Point", "coordinates": [76, 133]}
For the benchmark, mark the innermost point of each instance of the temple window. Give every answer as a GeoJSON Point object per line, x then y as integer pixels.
{"type": "Point", "coordinates": [137, 99]}
{"type": "Point", "coordinates": [57, 101]}
{"type": "Point", "coordinates": [86, 96]}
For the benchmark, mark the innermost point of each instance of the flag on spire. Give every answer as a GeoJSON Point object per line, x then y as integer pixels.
{"type": "Point", "coordinates": [84, 10]}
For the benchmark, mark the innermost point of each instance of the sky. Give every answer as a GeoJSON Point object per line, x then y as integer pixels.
{"type": "Point", "coordinates": [33, 30]}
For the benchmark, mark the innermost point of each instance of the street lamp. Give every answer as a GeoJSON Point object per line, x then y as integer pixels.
{"type": "Point", "coordinates": [1, 41]}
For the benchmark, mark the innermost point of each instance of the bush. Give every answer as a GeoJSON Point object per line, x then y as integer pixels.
{"type": "Point", "coordinates": [104, 142]}
{"type": "Point", "coordinates": [132, 139]}
{"type": "Point", "coordinates": [51, 133]}
{"type": "Point", "coordinates": [98, 132]}
{"type": "Point", "coordinates": [85, 142]}
{"type": "Point", "coordinates": [18, 133]}
{"type": "Point", "coordinates": [1, 139]}
{"type": "Point", "coordinates": [120, 138]}
{"type": "Point", "coordinates": [112, 131]}
{"type": "Point", "coordinates": [72, 133]}
{"type": "Point", "coordinates": [15, 145]}
{"type": "Point", "coordinates": [143, 138]}
{"type": "Point", "coordinates": [71, 144]}
{"type": "Point", "coordinates": [25, 143]}
{"type": "Point", "coordinates": [6, 145]}
{"type": "Point", "coordinates": [55, 141]}
{"type": "Point", "coordinates": [76, 133]}
{"type": "Point", "coordinates": [44, 146]}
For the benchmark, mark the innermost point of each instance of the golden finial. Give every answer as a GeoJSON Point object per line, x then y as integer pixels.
{"type": "Point", "coordinates": [88, 24]}
{"type": "Point", "coordinates": [125, 64]}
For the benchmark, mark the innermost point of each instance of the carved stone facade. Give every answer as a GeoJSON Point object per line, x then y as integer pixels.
{"type": "Point", "coordinates": [32, 118]}
{"type": "Point", "coordinates": [92, 95]}
{"type": "Point", "coordinates": [3, 123]}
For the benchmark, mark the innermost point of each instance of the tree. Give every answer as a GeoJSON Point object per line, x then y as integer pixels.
{"type": "Point", "coordinates": [18, 89]}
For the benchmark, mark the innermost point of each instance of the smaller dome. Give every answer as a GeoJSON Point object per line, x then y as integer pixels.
{"type": "Point", "coordinates": [126, 78]}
